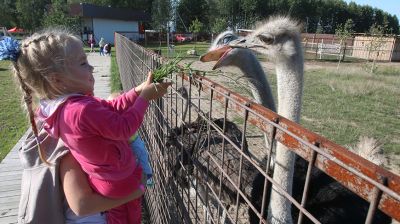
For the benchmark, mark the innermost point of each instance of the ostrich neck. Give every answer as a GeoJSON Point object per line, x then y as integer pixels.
{"type": "Point", "coordinates": [261, 90]}
{"type": "Point", "coordinates": [290, 86]}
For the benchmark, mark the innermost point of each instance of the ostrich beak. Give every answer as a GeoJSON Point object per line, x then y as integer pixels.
{"type": "Point", "coordinates": [244, 43]}
{"type": "Point", "coordinates": [216, 55]}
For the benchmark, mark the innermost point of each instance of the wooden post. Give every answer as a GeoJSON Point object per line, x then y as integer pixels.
{"type": "Point", "coordinates": [316, 49]}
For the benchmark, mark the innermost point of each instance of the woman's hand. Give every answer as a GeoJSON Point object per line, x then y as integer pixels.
{"type": "Point", "coordinates": [150, 90]}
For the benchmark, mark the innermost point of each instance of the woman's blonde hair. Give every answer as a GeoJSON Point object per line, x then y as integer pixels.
{"type": "Point", "coordinates": [42, 57]}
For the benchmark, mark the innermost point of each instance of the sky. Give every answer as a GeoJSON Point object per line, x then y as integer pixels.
{"type": "Point", "coordinates": [390, 6]}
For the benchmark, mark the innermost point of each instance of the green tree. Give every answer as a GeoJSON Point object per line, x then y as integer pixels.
{"type": "Point", "coordinates": [378, 40]}
{"type": "Point", "coordinates": [189, 10]}
{"type": "Point", "coordinates": [8, 14]}
{"type": "Point", "coordinates": [161, 14]}
{"type": "Point", "coordinates": [30, 13]}
{"type": "Point", "coordinates": [219, 25]}
{"type": "Point", "coordinates": [58, 16]}
{"type": "Point", "coordinates": [195, 28]}
{"type": "Point", "coordinates": [343, 32]}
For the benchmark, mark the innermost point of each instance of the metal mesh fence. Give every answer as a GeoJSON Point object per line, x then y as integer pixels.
{"type": "Point", "coordinates": [212, 162]}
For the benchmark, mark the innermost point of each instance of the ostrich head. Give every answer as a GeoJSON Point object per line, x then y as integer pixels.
{"type": "Point", "coordinates": [225, 55]}
{"type": "Point", "coordinates": [278, 38]}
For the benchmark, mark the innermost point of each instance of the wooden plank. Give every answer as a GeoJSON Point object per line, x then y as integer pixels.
{"type": "Point", "coordinates": [10, 199]}
{"type": "Point", "coordinates": [11, 205]}
{"type": "Point", "coordinates": [9, 219]}
{"type": "Point", "coordinates": [12, 177]}
{"type": "Point", "coordinates": [15, 192]}
{"type": "Point", "coordinates": [12, 172]}
{"type": "Point", "coordinates": [8, 167]}
{"type": "Point", "coordinates": [16, 183]}
{"type": "Point", "coordinates": [8, 212]}
{"type": "Point", "coordinates": [8, 188]}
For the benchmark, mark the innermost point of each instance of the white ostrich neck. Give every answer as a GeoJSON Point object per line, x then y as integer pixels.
{"type": "Point", "coordinates": [261, 89]}
{"type": "Point", "coordinates": [290, 89]}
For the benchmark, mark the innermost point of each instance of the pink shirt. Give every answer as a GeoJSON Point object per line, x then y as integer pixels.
{"type": "Point", "coordinates": [97, 131]}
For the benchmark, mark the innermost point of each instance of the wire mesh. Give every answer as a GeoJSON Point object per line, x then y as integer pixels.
{"type": "Point", "coordinates": [212, 163]}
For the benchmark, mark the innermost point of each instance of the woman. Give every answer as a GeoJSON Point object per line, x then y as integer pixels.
{"type": "Point", "coordinates": [59, 193]}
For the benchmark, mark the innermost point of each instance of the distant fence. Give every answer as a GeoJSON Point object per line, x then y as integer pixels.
{"type": "Point", "coordinates": [359, 47]}
{"type": "Point", "coordinates": [206, 142]}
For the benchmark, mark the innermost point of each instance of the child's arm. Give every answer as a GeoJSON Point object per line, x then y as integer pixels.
{"type": "Point", "coordinates": [80, 197]}
{"type": "Point", "coordinates": [91, 117]}
{"type": "Point", "coordinates": [127, 99]}
{"type": "Point", "coordinates": [146, 90]}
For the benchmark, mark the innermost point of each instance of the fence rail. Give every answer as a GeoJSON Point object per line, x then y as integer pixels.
{"type": "Point", "coordinates": [207, 143]}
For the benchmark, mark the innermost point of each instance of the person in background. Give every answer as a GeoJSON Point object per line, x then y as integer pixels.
{"type": "Point", "coordinates": [101, 46]}
{"type": "Point", "coordinates": [91, 43]}
{"type": "Point", "coordinates": [107, 49]}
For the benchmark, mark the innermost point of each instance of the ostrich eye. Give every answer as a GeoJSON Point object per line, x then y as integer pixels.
{"type": "Point", "coordinates": [267, 39]}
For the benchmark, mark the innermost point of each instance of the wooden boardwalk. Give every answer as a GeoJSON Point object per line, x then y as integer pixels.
{"type": "Point", "coordinates": [10, 167]}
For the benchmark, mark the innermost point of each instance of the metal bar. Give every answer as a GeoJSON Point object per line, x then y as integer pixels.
{"type": "Point", "coordinates": [307, 183]}
{"type": "Point", "coordinates": [351, 170]}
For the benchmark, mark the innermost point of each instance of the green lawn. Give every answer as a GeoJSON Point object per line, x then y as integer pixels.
{"type": "Point", "coordinates": [180, 49]}
{"type": "Point", "coordinates": [13, 119]}
{"type": "Point", "coordinates": [345, 105]}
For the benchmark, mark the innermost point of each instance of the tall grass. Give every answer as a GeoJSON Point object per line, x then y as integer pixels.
{"type": "Point", "coordinates": [13, 120]}
{"type": "Point", "coordinates": [115, 80]}
{"type": "Point", "coordinates": [345, 105]}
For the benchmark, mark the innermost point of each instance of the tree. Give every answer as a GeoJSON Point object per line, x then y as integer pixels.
{"type": "Point", "coordinates": [378, 40]}
{"type": "Point", "coordinates": [58, 16]}
{"type": "Point", "coordinates": [161, 14]}
{"type": "Point", "coordinates": [195, 28]}
{"type": "Point", "coordinates": [219, 25]}
{"type": "Point", "coordinates": [30, 13]}
{"type": "Point", "coordinates": [189, 10]}
{"type": "Point", "coordinates": [8, 14]}
{"type": "Point", "coordinates": [343, 32]}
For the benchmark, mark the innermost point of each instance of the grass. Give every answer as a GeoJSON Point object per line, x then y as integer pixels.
{"type": "Point", "coordinates": [13, 120]}
{"type": "Point", "coordinates": [346, 104]}
{"type": "Point", "coordinates": [115, 81]}
{"type": "Point", "coordinates": [180, 49]}
{"type": "Point", "coordinates": [343, 104]}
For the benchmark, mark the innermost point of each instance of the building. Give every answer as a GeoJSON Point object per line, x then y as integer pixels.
{"type": "Point", "coordinates": [387, 50]}
{"type": "Point", "coordinates": [104, 21]}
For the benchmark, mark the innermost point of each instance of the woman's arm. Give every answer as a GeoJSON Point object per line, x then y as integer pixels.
{"type": "Point", "coordinates": [80, 196]}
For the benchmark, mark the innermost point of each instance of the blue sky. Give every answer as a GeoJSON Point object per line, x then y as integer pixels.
{"type": "Point", "coordinates": [390, 6]}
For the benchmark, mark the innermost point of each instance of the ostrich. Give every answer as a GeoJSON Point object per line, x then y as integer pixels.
{"type": "Point", "coordinates": [279, 38]}
{"type": "Point", "coordinates": [193, 139]}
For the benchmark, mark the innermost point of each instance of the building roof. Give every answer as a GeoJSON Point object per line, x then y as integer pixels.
{"type": "Point", "coordinates": [94, 11]}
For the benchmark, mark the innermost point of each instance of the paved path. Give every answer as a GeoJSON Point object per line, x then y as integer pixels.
{"type": "Point", "coordinates": [10, 168]}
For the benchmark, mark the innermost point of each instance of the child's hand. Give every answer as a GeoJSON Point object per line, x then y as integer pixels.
{"type": "Point", "coordinates": [139, 88]}
{"type": "Point", "coordinates": [155, 90]}
{"type": "Point", "coordinates": [150, 90]}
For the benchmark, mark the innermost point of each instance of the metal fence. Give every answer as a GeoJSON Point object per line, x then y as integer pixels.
{"type": "Point", "coordinates": [212, 164]}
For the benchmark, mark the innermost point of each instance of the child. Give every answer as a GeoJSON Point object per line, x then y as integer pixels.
{"type": "Point", "coordinates": [52, 66]}
{"type": "Point", "coordinates": [101, 46]}
{"type": "Point", "coordinates": [107, 49]}
{"type": "Point", "coordinates": [91, 43]}
{"type": "Point", "coordinates": [139, 149]}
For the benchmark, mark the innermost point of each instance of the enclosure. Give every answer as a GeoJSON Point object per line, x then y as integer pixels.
{"type": "Point", "coordinates": [211, 148]}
